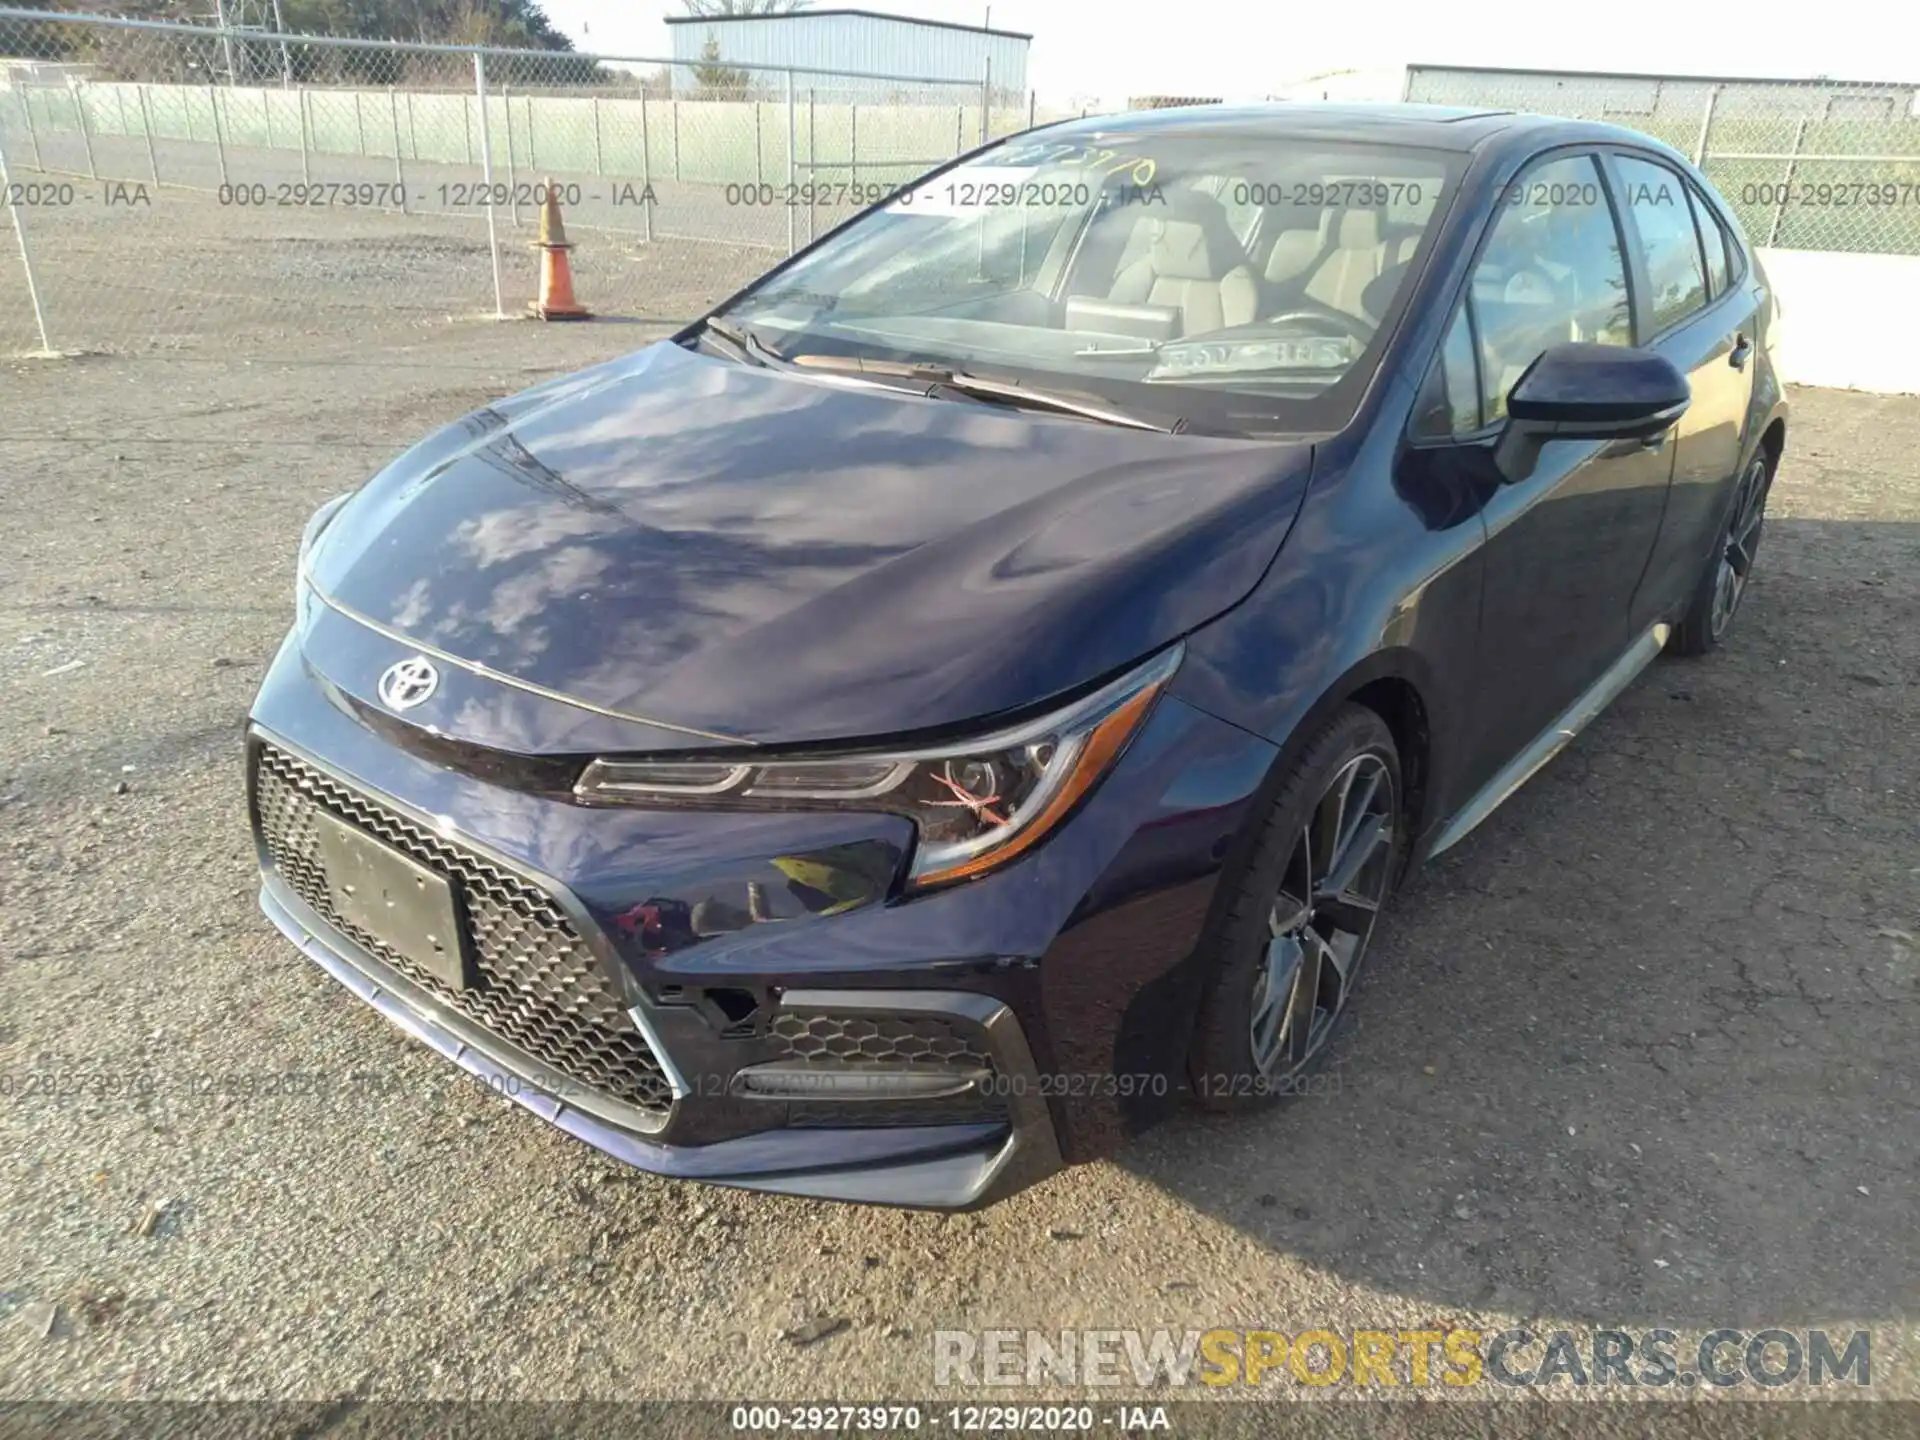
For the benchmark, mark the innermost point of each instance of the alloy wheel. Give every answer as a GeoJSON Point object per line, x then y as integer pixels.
{"type": "Point", "coordinates": [1743, 540]}
{"type": "Point", "coordinates": [1322, 918]}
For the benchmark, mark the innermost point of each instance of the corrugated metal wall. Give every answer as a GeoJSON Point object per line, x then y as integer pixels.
{"type": "Point", "coordinates": [880, 44]}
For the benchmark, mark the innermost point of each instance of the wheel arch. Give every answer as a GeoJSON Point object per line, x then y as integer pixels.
{"type": "Point", "coordinates": [1397, 684]}
{"type": "Point", "coordinates": [1773, 439]}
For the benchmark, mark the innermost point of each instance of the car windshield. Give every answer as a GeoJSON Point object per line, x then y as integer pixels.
{"type": "Point", "coordinates": [1227, 282]}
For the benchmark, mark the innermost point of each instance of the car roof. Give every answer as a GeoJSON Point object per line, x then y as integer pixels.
{"type": "Point", "coordinates": [1440, 127]}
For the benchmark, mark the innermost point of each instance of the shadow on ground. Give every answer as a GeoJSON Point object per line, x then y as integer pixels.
{"type": "Point", "coordinates": [1641, 1047]}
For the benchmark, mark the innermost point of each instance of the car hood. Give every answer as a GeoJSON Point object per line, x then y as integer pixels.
{"type": "Point", "coordinates": [752, 554]}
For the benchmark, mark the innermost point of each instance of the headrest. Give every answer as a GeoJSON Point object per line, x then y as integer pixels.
{"type": "Point", "coordinates": [1181, 252]}
{"type": "Point", "coordinates": [1192, 239]}
{"type": "Point", "coordinates": [1299, 235]}
{"type": "Point", "coordinates": [1289, 216]}
{"type": "Point", "coordinates": [1359, 229]}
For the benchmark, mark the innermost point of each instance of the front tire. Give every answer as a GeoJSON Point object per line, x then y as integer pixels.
{"type": "Point", "coordinates": [1717, 598]}
{"type": "Point", "coordinates": [1299, 915]}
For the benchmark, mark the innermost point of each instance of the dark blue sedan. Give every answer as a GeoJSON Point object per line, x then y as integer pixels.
{"type": "Point", "coordinates": [974, 691]}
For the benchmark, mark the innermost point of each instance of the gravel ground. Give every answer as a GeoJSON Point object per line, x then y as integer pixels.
{"type": "Point", "coordinates": [1639, 1052]}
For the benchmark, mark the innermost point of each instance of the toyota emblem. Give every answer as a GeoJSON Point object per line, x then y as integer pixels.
{"type": "Point", "coordinates": [407, 683]}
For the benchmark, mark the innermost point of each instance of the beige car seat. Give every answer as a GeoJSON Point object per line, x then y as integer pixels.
{"type": "Point", "coordinates": [1185, 257]}
{"type": "Point", "coordinates": [1333, 263]}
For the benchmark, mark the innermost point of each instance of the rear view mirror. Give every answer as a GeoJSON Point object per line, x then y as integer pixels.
{"type": "Point", "coordinates": [1589, 392]}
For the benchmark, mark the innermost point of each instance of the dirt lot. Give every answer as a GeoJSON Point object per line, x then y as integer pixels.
{"type": "Point", "coordinates": [1640, 1052]}
{"type": "Point", "coordinates": [123, 266]}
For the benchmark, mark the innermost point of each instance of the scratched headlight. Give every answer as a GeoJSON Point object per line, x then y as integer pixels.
{"type": "Point", "coordinates": [976, 804]}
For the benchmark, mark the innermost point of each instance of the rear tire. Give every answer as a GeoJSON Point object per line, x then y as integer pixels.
{"type": "Point", "coordinates": [1287, 955]}
{"type": "Point", "coordinates": [1716, 599]}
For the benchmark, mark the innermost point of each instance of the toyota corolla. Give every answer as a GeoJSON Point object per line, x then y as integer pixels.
{"type": "Point", "coordinates": [975, 691]}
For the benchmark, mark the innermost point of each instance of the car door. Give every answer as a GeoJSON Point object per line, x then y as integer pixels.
{"type": "Point", "coordinates": [1698, 306]}
{"type": "Point", "coordinates": [1566, 544]}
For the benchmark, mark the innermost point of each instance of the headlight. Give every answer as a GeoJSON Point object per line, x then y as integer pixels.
{"type": "Point", "coordinates": [976, 803]}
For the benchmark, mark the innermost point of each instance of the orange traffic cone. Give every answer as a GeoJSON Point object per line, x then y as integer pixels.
{"type": "Point", "coordinates": [556, 300]}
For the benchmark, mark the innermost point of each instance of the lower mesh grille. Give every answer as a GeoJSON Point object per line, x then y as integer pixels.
{"type": "Point", "coordinates": [540, 987]}
{"type": "Point", "coordinates": [855, 1041]}
{"type": "Point", "coordinates": [932, 1041]}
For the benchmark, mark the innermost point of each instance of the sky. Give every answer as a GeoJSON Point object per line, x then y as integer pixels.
{"type": "Point", "coordinates": [1246, 48]}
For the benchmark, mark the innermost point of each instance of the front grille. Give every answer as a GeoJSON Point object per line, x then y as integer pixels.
{"type": "Point", "coordinates": [853, 1041]}
{"type": "Point", "coordinates": [539, 986]}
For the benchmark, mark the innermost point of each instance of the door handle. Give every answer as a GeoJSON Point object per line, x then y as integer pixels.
{"type": "Point", "coordinates": [1742, 351]}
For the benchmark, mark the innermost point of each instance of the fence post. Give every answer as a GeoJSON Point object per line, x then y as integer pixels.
{"type": "Point", "coordinates": [597, 168]}
{"type": "Point", "coordinates": [959, 128]}
{"type": "Point", "coordinates": [300, 94]}
{"type": "Point", "coordinates": [26, 109]}
{"type": "Point", "coordinates": [359, 124]}
{"type": "Point", "coordinates": [266, 113]}
{"type": "Point", "coordinates": [674, 107]}
{"type": "Point", "coordinates": [646, 168]}
{"type": "Point", "coordinates": [793, 140]}
{"type": "Point", "coordinates": [399, 175]}
{"type": "Point", "coordinates": [986, 100]}
{"type": "Point", "coordinates": [219, 144]}
{"type": "Point", "coordinates": [1786, 184]}
{"type": "Point", "coordinates": [853, 143]}
{"type": "Point", "coordinates": [146, 129]}
{"type": "Point", "coordinates": [813, 167]}
{"type": "Point", "coordinates": [226, 43]}
{"type": "Point", "coordinates": [26, 259]}
{"type": "Point", "coordinates": [486, 178]}
{"type": "Point", "coordinates": [86, 137]}
{"type": "Point", "coordinates": [413, 134]}
{"type": "Point", "coordinates": [533, 154]}
{"type": "Point", "coordinates": [759, 177]}
{"type": "Point", "coordinates": [513, 201]}
{"type": "Point", "coordinates": [1033, 97]}
{"type": "Point", "coordinates": [1706, 125]}
{"type": "Point", "coordinates": [466, 119]}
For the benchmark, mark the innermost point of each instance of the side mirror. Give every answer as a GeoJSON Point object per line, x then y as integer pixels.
{"type": "Point", "coordinates": [1588, 392]}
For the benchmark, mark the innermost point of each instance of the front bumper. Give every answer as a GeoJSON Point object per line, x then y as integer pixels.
{"type": "Point", "coordinates": [1068, 976]}
{"type": "Point", "coordinates": [927, 1166]}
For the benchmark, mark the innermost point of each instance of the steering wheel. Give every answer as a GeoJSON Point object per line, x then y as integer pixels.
{"type": "Point", "coordinates": [1324, 317]}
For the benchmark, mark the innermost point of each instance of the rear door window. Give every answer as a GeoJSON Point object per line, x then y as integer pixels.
{"type": "Point", "coordinates": [1656, 198]}
{"type": "Point", "coordinates": [1712, 243]}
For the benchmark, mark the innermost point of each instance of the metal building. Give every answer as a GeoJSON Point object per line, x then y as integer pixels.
{"type": "Point", "coordinates": [863, 40]}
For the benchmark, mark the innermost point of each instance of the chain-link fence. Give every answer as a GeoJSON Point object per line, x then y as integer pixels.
{"type": "Point", "coordinates": [177, 186]}
{"type": "Point", "coordinates": [1807, 164]}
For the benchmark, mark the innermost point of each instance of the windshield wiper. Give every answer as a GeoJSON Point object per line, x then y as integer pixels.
{"type": "Point", "coordinates": [980, 387]}
{"type": "Point", "coordinates": [985, 387]}
{"type": "Point", "coordinates": [1026, 397]}
{"type": "Point", "coordinates": [752, 348]}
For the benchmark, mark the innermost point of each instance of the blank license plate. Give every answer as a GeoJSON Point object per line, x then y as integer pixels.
{"type": "Point", "coordinates": [392, 897]}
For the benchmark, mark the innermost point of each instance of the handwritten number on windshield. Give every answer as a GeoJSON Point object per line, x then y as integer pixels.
{"type": "Point", "coordinates": [1101, 162]}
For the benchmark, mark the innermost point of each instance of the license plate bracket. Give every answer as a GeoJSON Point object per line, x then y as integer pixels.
{"type": "Point", "coordinates": [392, 897]}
